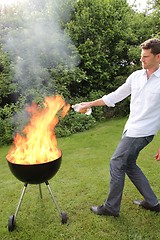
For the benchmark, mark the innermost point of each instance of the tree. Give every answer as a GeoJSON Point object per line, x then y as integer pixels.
{"type": "Point", "coordinates": [155, 14]}
{"type": "Point", "coordinates": [7, 88]}
{"type": "Point", "coordinates": [107, 34]}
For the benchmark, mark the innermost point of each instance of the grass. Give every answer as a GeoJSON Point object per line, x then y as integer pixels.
{"type": "Point", "coordinates": [82, 181]}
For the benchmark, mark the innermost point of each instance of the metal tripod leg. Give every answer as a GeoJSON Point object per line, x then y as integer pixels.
{"type": "Point", "coordinates": [12, 218]}
{"type": "Point", "coordinates": [62, 214]}
{"type": "Point", "coordinates": [20, 200]}
{"type": "Point", "coordinates": [49, 188]}
{"type": "Point", "coordinates": [40, 191]}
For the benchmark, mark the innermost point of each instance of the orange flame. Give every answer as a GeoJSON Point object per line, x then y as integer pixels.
{"type": "Point", "coordinates": [39, 144]}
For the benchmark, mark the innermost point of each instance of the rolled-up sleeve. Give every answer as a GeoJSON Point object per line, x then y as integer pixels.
{"type": "Point", "coordinates": [118, 95]}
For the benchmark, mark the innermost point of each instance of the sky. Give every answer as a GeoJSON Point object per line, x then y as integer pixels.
{"type": "Point", "coordinates": [141, 4]}
{"type": "Point", "coordinates": [4, 3]}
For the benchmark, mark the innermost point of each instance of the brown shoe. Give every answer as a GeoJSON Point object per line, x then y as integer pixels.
{"type": "Point", "coordinates": [102, 210]}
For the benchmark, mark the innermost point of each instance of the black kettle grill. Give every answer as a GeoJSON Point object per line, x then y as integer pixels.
{"type": "Point", "coordinates": [35, 174]}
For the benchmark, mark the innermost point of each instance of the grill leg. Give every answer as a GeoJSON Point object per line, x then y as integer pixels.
{"type": "Point", "coordinates": [49, 188]}
{"type": "Point", "coordinates": [12, 218]}
{"type": "Point", "coordinates": [40, 191]}
{"type": "Point", "coordinates": [20, 200]}
{"type": "Point", "coordinates": [62, 214]}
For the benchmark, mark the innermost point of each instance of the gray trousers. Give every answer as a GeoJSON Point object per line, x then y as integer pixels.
{"type": "Point", "coordinates": [124, 162]}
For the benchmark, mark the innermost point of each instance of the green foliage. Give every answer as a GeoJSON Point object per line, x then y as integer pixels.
{"type": "Point", "coordinates": [156, 19]}
{"type": "Point", "coordinates": [67, 81]}
{"type": "Point", "coordinates": [102, 113]}
{"type": "Point", "coordinates": [9, 123]}
{"type": "Point", "coordinates": [6, 127]}
{"type": "Point", "coordinates": [73, 123]}
{"type": "Point", "coordinates": [97, 112]}
{"type": "Point", "coordinates": [7, 87]}
{"type": "Point", "coordinates": [100, 31]}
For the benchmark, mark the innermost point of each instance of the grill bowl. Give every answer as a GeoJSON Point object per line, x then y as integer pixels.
{"type": "Point", "coordinates": [35, 173]}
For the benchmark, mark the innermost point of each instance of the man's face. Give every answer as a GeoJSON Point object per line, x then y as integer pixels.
{"type": "Point", "coordinates": [148, 59]}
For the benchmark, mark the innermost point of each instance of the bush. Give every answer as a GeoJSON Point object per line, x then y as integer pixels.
{"type": "Point", "coordinates": [74, 122]}
{"type": "Point", "coordinates": [2, 131]}
{"type": "Point", "coordinates": [6, 127]}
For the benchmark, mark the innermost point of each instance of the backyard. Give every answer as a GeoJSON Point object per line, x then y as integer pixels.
{"type": "Point", "coordinates": [81, 182]}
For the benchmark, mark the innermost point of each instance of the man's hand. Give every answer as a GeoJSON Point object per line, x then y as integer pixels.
{"type": "Point", "coordinates": [157, 156]}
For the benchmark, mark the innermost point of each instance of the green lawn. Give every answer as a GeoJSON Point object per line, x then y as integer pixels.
{"type": "Point", "coordinates": [82, 181]}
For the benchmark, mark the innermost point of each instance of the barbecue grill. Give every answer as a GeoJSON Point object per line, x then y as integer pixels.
{"type": "Point", "coordinates": [35, 174]}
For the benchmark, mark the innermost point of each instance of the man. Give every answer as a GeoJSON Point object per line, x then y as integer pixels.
{"type": "Point", "coordinates": [143, 123]}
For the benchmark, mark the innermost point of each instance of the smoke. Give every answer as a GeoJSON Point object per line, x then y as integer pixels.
{"type": "Point", "coordinates": [36, 43]}
{"type": "Point", "coordinates": [39, 43]}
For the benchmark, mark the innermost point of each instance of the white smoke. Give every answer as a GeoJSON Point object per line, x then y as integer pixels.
{"type": "Point", "coordinates": [39, 43]}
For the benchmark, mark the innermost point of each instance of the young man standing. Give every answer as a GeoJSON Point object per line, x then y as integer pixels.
{"type": "Point", "coordinates": [143, 123]}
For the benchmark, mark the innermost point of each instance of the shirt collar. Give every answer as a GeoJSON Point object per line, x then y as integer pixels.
{"type": "Point", "coordinates": [156, 73]}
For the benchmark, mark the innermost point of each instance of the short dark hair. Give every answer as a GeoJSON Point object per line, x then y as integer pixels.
{"type": "Point", "coordinates": [153, 44]}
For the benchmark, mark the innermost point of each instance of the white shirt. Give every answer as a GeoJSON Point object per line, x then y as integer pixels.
{"type": "Point", "coordinates": [144, 118]}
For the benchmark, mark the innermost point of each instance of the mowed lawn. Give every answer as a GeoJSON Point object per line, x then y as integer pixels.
{"type": "Point", "coordinates": [82, 181]}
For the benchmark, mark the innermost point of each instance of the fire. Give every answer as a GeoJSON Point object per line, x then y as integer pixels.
{"type": "Point", "coordinates": [37, 143]}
